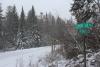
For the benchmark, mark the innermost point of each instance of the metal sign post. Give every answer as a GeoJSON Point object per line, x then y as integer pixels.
{"type": "Point", "coordinates": [84, 51]}
{"type": "Point", "coordinates": [84, 30]}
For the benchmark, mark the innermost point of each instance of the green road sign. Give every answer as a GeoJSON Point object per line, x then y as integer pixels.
{"type": "Point", "coordinates": [83, 28]}
{"type": "Point", "coordinates": [84, 25]}
{"type": "Point", "coordinates": [84, 31]}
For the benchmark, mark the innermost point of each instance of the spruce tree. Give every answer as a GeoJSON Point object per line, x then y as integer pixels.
{"type": "Point", "coordinates": [33, 27]}
{"type": "Point", "coordinates": [1, 14]}
{"type": "Point", "coordinates": [12, 19]}
{"type": "Point", "coordinates": [22, 21]}
{"type": "Point", "coordinates": [11, 24]}
{"type": "Point", "coordinates": [84, 11]}
{"type": "Point", "coordinates": [1, 18]}
{"type": "Point", "coordinates": [15, 19]}
{"type": "Point", "coordinates": [21, 30]}
{"type": "Point", "coordinates": [1, 29]}
{"type": "Point", "coordinates": [31, 19]}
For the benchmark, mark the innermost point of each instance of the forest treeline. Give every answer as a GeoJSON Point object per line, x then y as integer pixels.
{"type": "Point", "coordinates": [29, 30]}
{"type": "Point", "coordinates": [21, 30]}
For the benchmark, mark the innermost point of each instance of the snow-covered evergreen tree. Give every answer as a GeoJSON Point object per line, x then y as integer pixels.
{"type": "Point", "coordinates": [21, 31]}
{"type": "Point", "coordinates": [32, 26]}
{"type": "Point", "coordinates": [11, 25]}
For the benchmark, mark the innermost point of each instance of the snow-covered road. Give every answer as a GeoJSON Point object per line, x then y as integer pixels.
{"type": "Point", "coordinates": [23, 57]}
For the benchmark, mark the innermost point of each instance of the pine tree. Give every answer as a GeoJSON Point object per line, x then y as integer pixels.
{"type": "Point", "coordinates": [59, 27]}
{"type": "Point", "coordinates": [46, 24]}
{"type": "Point", "coordinates": [22, 21]}
{"type": "Point", "coordinates": [16, 20]}
{"type": "Point", "coordinates": [12, 19]}
{"type": "Point", "coordinates": [21, 30]}
{"type": "Point", "coordinates": [2, 45]}
{"type": "Point", "coordinates": [85, 10]}
{"type": "Point", "coordinates": [33, 27]}
{"type": "Point", "coordinates": [11, 24]}
{"type": "Point", "coordinates": [1, 18]}
{"type": "Point", "coordinates": [1, 15]}
{"type": "Point", "coordinates": [31, 19]}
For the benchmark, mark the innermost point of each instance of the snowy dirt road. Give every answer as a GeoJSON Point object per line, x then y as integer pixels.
{"type": "Point", "coordinates": [23, 57]}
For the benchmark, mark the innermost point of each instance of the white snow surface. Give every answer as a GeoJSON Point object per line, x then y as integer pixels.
{"type": "Point", "coordinates": [38, 57]}
{"type": "Point", "coordinates": [23, 58]}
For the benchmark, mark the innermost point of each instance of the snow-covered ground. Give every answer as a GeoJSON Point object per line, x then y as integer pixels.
{"type": "Point", "coordinates": [41, 57]}
{"type": "Point", "coordinates": [23, 58]}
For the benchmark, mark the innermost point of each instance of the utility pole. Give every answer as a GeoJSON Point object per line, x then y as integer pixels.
{"type": "Point", "coordinates": [84, 37]}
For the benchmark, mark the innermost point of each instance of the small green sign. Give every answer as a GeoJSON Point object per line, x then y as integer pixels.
{"type": "Point", "coordinates": [83, 28]}
{"type": "Point", "coordinates": [84, 31]}
{"type": "Point", "coordinates": [84, 25]}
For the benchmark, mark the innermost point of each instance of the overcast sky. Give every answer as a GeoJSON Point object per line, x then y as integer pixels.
{"type": "Point", "coordinates": [56, 7]}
